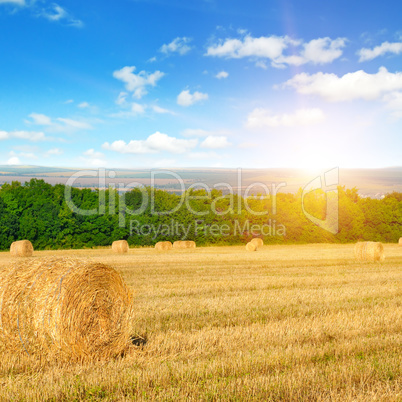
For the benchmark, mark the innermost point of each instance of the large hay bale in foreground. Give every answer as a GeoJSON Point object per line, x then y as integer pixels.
{"type": "Point", "coordinates": [21, 248]}
{"type": "Point", "coordinates": [257, 241]}
{"type": "Point", "coordinates": [400, 241]}
{"type": "Point", "coordinates": [369, 251]}
{"type": "Point", "coordinates": [180, 244]}
{"type": "Point", "coordinates": [64, 308]}
{"type": "Point", "coordinates": [120, 246]}
{"type": "Point", "coordinates": [163, 245]}
{"type": "Point", "coordinates": [251, 246]}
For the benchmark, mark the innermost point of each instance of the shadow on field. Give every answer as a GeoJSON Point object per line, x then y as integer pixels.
{"type": "Point", "coordinates": [139, 340]}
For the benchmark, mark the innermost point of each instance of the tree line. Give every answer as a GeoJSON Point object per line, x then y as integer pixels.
{"type": "Point", "coordinates": [42, 213]}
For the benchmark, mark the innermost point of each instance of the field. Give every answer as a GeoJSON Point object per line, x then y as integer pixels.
{"type": "Point", "coordinates": [289, 323]}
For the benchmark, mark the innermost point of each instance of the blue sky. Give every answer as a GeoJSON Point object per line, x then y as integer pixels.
{"type": "Point", "coordinates": [201, 83]}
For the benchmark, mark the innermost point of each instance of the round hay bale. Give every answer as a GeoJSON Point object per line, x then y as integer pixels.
{"type": "Point", "coordinates": [163, 245]}
{"type": "Point", "coordinates": [64, 308]}
{"type": "Point", "coordinates": [120, 246]}
{"type": "Point", "coordinates": [21, 248]}
{"type": "Point", "coordinates": [369, 251]}
{"type": "Point", "coordinates": [257, 241]}
{"type": "Point", "coordinates": [251, 246]}
{"type": "Point", "coordinates": [400, 241]}
{"type": "Point", "coordinates": [181, 244]}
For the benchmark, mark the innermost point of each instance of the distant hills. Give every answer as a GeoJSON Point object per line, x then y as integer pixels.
{"type": "Point", "coordinates": [370, 182]}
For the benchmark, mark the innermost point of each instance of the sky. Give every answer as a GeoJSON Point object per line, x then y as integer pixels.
{"type": "Point", "coordinates": [201, 83]}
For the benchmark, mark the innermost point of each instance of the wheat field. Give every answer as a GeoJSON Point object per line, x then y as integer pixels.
{"type": "Point", "coordinates": [286, 323]}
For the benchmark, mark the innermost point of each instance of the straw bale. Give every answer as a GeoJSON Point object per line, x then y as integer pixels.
{"type": "Point", "coordinates": [66, 308]}
{"type": "Point", "coordinates": [180, 244]}
{"type": "Point", "coordinates": [120, 246]}
{"type": "Point", "coordinates": [258, 242]}
{"type": "Point", "coordinates": [369, 251]}
{"type": "Point", "coordinates": [163, 245]}
{"type": "Point", "coordinates": [21, 248]}
{"type": "Point", "coordinates": [251, 246]}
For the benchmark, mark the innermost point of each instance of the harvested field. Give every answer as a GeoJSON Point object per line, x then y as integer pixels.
{"type": "Point", "coordinates": [287, 323]}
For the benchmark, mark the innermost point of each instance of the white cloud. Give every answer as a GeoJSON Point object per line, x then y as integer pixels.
{"type": "Point", "coordinates": [137, 83]}
{"type": "Point", "coordinates": [74, 124]}
{"type": "Point", "coordinates": [136, 108]}
{"type": "Point", "coordinates": [161, 110]}
{"type": "Point", "coordinates": [40, 119]}
{"type": "Point", "coordinates": [222, 74]}
{"type": "Point", "coordinates": [317, 51]}
{"type": "Point", "coordinates": [386, 47]}
{"type": "Point", "coordinates": [67, 125]}
{"type": "Point", "coordinates": [26, 155]}
{"type": "Point", "coordinates": [266, 47]}
{"type": "Point", "coordinates": [213, 142]}
{"type": "Point", "coordinates": [57, 13]}
{"type": "Point", "coordinates": [83, 105]}
{"type": "Point", "coordinates": [93, 154]}
{"type": "Point", "coordinates": [121, 99]}
{"type": "Point", "coordinates": [178, 45]}
{"type": "Point", "coordinates": [185, 98]}
{"type": "Point", "coordinates": [14, 160]}
{"type": "Point", "coordinates": [54, 151]}
{"type": "Point", "coordinates": [23, 135]}
{"type": "Point", "coordinates": [157, 142]}
{"type": "Point", "coordinates": [15, 2]}
{"type": "Point", "coordinates": [357, 85]}
{"type": "Point", "coordinates": [260, 118]}
{"type": "Point", "coordinates": [393, 101]}
{"type": "Point", "coordinates": [323, 50]}
{"type": "Point", "coordinates": [93, 158]}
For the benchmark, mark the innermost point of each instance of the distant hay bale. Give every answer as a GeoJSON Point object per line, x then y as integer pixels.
{"type": "Point", "coordinates": [21, 248]}
{"type": "Point", "coordinates": [251, 246]}
{"type": "Point", "coordinates": [64, 308]}
{"type": "Point", "coordinates": [257, 241]}
{"type": "Point", "coordinates": [120, 246]}
{"type": "Point", "coordinates": [369, 251]}
{"type": "Point", "coordinates": [400, 241]}
{"type": "Point", "coordinates": [163, 245]}
{"type": "Point", "coordinates": [180, 244]}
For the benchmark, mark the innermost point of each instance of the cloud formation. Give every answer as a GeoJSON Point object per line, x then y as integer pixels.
{"type": "Point", "coordinates": [15, 2]}
{"type": "Point", "coordinates": [386, 47]}
{"type": "Point", "coordinates": [351, 86]}
{"type": "Point", "coordinates": [185, 98]}
{"type": "Point", "coordinates": [137, 83]}
{"type": "Point", "coordinates": [260, 118]}
{"type": "Point", "coordinates": [23, 135]}
{"type": "Point", "coordinates": [60, 125]}
{"type": "Point", "coordinates": [222, 74]}
{"type": "Point", "coordinates": [178, 45]}
{"type": "Point", "coordinates": [215, 142]}
{"type": "Point", "coordinates": [317, 51]}
{"type": "Point", "coordinates": [157, 142]}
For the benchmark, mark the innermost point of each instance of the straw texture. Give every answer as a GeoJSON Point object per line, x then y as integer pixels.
{"type": "Point", "coordinates": [369, 251]}
{"type": "Point", "coordinates": [163, 245]}
{"type": "Point", "coordinates": [21, 248]}
{"type": "Point", "coordinates": [120, 246]}
{"type": "Point", "coordinates": [251, 247]}
{"type": "Point", "coordinates": [258, 242]}
{"type": "Point", "coordinates": [64, 307]}
{"type": "Point", "coordinates": [184, 244]}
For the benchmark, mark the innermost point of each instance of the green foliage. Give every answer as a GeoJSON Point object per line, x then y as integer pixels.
{"type": "Point", "coordinates": [39, 212]}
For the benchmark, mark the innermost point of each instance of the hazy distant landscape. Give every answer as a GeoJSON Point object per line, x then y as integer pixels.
{"type": "Point", "coordinates": [372, 183]}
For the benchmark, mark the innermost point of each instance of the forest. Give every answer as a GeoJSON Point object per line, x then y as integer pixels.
{"type": "Point", "coordinates": [60, 217]}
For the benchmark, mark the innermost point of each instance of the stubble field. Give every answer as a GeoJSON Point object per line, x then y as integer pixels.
{"type": "Point", "coordinates": [289, 323]}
